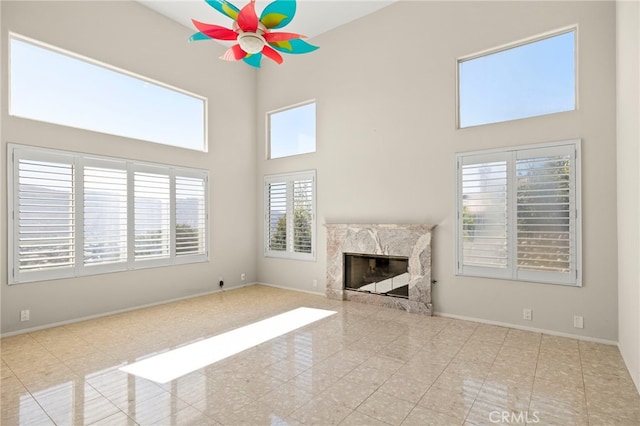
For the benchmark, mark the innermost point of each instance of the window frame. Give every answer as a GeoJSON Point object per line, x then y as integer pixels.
{"type": "Point", "coordinates": [511, 271]}
{"type": "Point", "coordinates": [514, 45]}
{"type": "Point", "coordinates": [268, 147]}
{"type": "Point", "coordinates": [79, 161]}
{"type": "Point", "coordinates": [289, 179]}
{"type": "Point", "coordinates": [114, 69]}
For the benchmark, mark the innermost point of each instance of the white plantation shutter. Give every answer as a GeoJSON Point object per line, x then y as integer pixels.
{"type": "Point", "coordinates": [105, 212]}
{"type": "Point", "coordinates": [484, 213]}
{"type": "Point", "coordinates": [277, 216]}
{"type": "Point", "coordinates": [518, 214]}
{"type": "Point", "coordinates": [302, 215]}
{"type": "Point", "coordinates": [44, 216]}
{"type": "Point", "coordinates": [191, 215]}
{"type": "Point", "coordinates": [290, 215]}
{"type": "Point", "coordinates": [152, 215]}
{"type": "Point", "coordinates": [545, 204]}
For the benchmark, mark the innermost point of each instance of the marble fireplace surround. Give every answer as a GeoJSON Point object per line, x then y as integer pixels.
{"type": "Point", "coordinates": [408, 240]}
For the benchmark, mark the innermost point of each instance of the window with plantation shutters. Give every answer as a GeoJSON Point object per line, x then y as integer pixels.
{"type": "Point", "coordinates": [74, 214]}
{"type": "Point", "coordinates": [518, 214]}
{"type": "Point", "coordinates": [290, 215]}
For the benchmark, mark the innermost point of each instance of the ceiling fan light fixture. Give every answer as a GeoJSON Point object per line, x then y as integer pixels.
{"type": "Point", "coordinates": [251, 43]}
{"type": "Point", "coordinates": [254, 35]}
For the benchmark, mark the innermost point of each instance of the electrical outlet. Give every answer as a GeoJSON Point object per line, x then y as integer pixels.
{"type": "Point", "coordinates": [527, 314]}
{"type": "Point", "coordinates": [25, 315]}
{"type": "Point", "coordinates": [578, 321]}
{"type": "Point", "coordinates": [315, 283]}
{"type": "Point", "coordinates": [243, 277]}
{"type": "Point", "coordinates": [221, 283]}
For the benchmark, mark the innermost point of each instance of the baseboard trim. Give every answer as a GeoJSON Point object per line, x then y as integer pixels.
{"type": "Point", "coordinates": [119, 311]}
{"type": "Point", "coordinates": [533, 329]}
{"type": "Point", "coordinates": [315, 293]}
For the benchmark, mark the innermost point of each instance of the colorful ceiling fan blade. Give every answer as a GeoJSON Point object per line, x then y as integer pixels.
{"type": "Point", "coordinates": [295, 46]}
{"type": "Point", "coordinates": [270, 53]}
{"type": "Point", "coordinates": [234, 53]}
{"type": "Point", "coordinates": [199, 36]}
{"type": "Point", "coordinates": [247, 18]}
{"type": "Point", "coordinates": [273, 37]}
{"type": "Point", "coordinates": [253, 60]}
{"type": "Point", "coordinates": [225, 8]}
{"type": "Point", "coordinates": [215, 31]}
{"type": "Point", "coordinates": [277, 14]}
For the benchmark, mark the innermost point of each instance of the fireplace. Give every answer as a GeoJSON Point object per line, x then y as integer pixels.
{"type": "Point", "coordinates": [369, 247]}
{"type": "Point", "coordinates": [387, 275]}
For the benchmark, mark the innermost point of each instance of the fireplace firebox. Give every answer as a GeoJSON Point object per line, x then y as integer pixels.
{"type": "Point", "coordinates": [386, 275]}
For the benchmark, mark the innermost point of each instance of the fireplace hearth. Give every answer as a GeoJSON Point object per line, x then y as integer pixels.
{"type": "Point", "coordinates": [375, 243]}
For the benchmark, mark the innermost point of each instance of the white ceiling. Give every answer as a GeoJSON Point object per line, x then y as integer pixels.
{"type": "Point", "coordinates": [313, 17]}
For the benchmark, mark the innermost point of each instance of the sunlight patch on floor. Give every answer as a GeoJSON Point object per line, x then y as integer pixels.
{"type": "Point", "coordinates": [170, 365]}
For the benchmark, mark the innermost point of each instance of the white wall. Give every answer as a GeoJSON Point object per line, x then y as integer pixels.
{"type": "Point", "coordinates": [628, 137]}
{"type": "Point", "coordinates": [385, 88]}
{"type": "Point", "coordinates": [132, 37]}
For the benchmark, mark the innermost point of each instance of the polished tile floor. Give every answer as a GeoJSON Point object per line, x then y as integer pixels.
{"type": "Point", "coordinates": [363, 366]}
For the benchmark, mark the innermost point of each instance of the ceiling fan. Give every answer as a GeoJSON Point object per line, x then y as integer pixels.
{"type": "Point", "coordinates": [255, 36]}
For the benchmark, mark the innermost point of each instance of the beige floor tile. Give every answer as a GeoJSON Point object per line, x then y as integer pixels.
{"type": "Point", "coordinates": [478, 351]}
{"type": "Point", "coordinates": [487, 413]}
{"type": "Point", "coordinates": [405, 388]}
{"type": "Point", "coordinates": [188, 416]}
{"type": "Point", "coordinates": [386, 408]}
{"type": "Point", "coordinates": [320, 411]}
{"type": "Point", "coordinates": [522, 338]}
{"type": "Point", "coordinates": [452, 402]}
{"type": "Point", "coordinates": [349, 392]}
{"type": "Point", "coordinates": [356, 418]}
{"type": "Point", "coordinates": [489, 334]}
{"type": "Point", "coordinates": [117, 419]}
{"type": "Point", "coordinates": [560, 392]}
{"type": "Point", "coordinates": [286, 399]}
{"type": "Point", "coordinates": [566, 374]}
{"type": "Point", "coordinates": [554, 413]}
{"type": "Point", "coordinates": [509, 394]}
{"type": "Point", "coordinates": [5, 371]}
{"type": "Point", "coordinates": [421, 416]}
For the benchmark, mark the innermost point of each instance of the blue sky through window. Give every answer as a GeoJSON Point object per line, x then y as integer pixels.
{"type": "Point", "coordinates": [53, 87]}
{"type": "Point", "coordinates": [292, 131]}
{"type": "Point", "coordinates": [525, 81]}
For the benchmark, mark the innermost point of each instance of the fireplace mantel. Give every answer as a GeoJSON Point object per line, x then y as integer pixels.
{"type": "Point", "coordinates": [409, 240]}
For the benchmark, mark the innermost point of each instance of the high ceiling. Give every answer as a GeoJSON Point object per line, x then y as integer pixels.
{"type": "Point", "coordinates": [313, 17]}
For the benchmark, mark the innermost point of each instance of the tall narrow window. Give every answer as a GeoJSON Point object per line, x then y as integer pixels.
{"type": "Point", "coordinates": [290, 215]}
{"type": "Point", "coordinates": [74, 214]}
{"type": "Point", "coordinates": [518, 214]}
{"type": "Point", "coordinates": [292, 130]}
{"type": "Point", "coordinates": [525, 79]}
